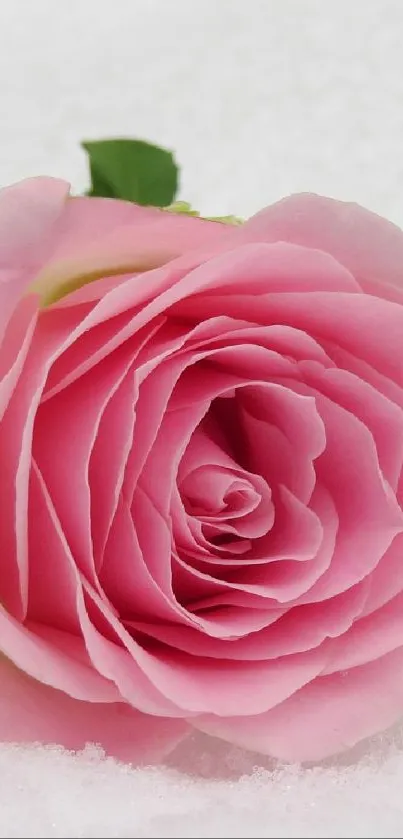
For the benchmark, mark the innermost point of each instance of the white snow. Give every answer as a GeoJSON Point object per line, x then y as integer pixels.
{"type": "Point", "coordinates": [51, 793]}
{"type": "Point", "coordinates": [258, 99]}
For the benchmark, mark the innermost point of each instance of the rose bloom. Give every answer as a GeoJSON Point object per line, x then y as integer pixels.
{"type": "Point", "coordinates": [201, 444]}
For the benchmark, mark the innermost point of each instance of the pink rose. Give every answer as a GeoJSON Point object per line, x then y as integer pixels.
{"type": "Point", "coordinates": [201, 475]}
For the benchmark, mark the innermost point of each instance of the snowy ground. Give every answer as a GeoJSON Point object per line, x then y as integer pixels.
{"type": "Point", "coordinates": [258, 99]}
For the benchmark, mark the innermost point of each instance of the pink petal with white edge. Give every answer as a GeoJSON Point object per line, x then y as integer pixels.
{"type": "Point", "coordinates": [53, 584]}
{"type": "Point", "coordinates": [387, 578]}
{"type": "Point", "coordinates": [56, 660]}
{"type": "Point", "coordinates": [327, 716]}
{"type": "Point", "coordinates": [89, 346]}
{"type": "Point", "coordinates": [268, 268]}
{"type": "Point", "coordinates": [15, 345]}
{"type": "Point", "coordinates": [63, 451]}
{"type": "Point", "coordinates": [382, 417]}
{"type": "Point", "coordinates": [369, 638]}
{"type": "Point", "coordinates": [54, 596]}
{"type": "Point", "coordinates": [29, 211]}
{"type": "Point", "coordinates": [108, 460]}
{"type": "Point", "coordinates": [369, 514]}
{"type": "Point", "coordinates": [352, 321]}
{"type": "Point", "coordinates": [16, 429]}
{"type": "Point", "coordinates": [125, 576]}
{"type": "Point", "coordinates": [283, 436]}
{"type": "Point", "coordinates": [368, 245]}
{"type": "Point", "coordinates": [112, 653]}
{"type": "Point", "coordinates": [31, 712]}
{"type": "Point", "coordinates": [344, 360]}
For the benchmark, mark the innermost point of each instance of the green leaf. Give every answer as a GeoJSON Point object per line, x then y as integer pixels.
{"type": "Point", "coordinates": [132, 170]}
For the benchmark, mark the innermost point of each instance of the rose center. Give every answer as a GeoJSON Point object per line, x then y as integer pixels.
{"type": "Point", "coordinates": [230, 504]}
{"type": "Point", "coordinates": [213, 493]}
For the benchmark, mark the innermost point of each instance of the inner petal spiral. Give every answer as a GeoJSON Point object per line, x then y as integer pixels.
{"type": "Point", "coordinates": [229, 504]}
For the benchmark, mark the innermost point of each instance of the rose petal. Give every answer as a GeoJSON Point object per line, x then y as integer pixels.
{"type": "Point", "coordinates": [383, 418]}
{"type": "Point", "coordinates": [55, 658]}
{"type": "Point", "coordinates": [281, 267]}
{"type": "Point", "coordinates": [362, 317]}
{"type": "Point", "coordinates": [53, 585]}
{"type": "Point", "coordinates": [179, 280]}
{"type": "Point", "coordinates": [296, 535]}
{"type": "Point", "coordinates": [329, 715]}
{"type": "Point", "coordinates": [386, 579]}
{"type": "Point", "coordinates": [225, 494]}
{"type": "Point", "coordinates": [63, 451]}
{"type": "Point", "coordinates": [29, 211]}
{"type": "Point", "coordinates": [369, 638]}
{"type": "Point", "coordinates": [281, 582]}
{"type": "Point", "coordinates": [89, 346]}
{"type": "Point", "coordinates": [31, 712]}
{"type": "Point", "coordinates": [15, 439]}
{"type": "Point", "coordinates": [114, 655]}
{"type": "Point", "coordinates": [126, 577]}
{"type": "Point", "coordinates": [368, 245]}
{"type": "Point", "coordinates": [366, 372]}
{"type": "Point", "coordinates": [97, 236]}
{"type": "Point", "coordinates": [320, 313]}
{"type": "Point", "coordinates": [300, 629]}
{"type": "Point", "coordinates": [205, 685]}
{"type": "Point", "coordinates": [15, 345]}
{"type": "Point", "coordinates": [369, 514]}
{"type": "Point", "coordinates": [108, 459]}
{"type": "Point", "coordinates": [283, 435]}
{"type": "Point", "coordinates": [155, 539]}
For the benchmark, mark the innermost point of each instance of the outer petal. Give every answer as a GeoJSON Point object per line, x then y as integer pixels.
{"type": "Point", "coordinates": [33, 712]}
{"type": "Point", "coordinates": [99, 236]}
{"type": "Point", "coordinates": [28, 213]}
{"type": "Point", "coordinates": [327, 716]}
{"type": "Point", "coordinates": [368, 245]}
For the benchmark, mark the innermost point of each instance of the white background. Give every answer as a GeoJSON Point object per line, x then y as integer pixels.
{"type": "Point", "coordinates": [258, 99]}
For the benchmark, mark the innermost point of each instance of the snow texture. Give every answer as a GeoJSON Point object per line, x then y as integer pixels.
{"type": "Point", "coordinates": [258, 99]}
